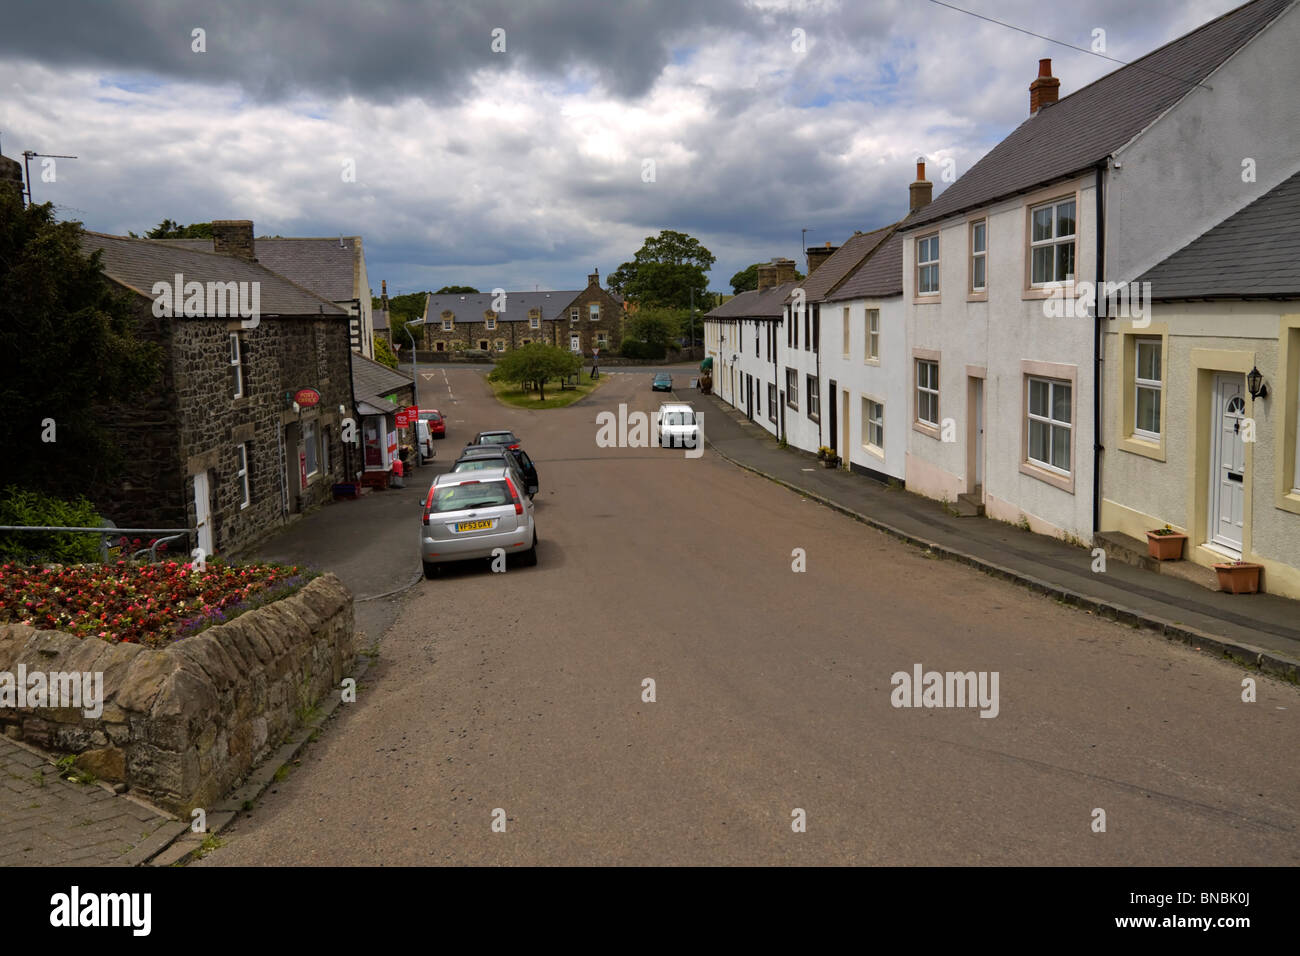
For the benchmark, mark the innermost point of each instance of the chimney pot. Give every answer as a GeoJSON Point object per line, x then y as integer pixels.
{"type": "Point", "coordinates": [1045, 67]}
{"type": "Point", "coordinates": [920, 192]}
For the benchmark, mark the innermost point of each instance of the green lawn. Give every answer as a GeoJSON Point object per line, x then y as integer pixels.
{"type": "Point", "coordinates": [509, 394]}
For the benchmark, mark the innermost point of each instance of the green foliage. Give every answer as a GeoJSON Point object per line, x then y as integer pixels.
{"type": "Point", "coordinates": [174, 230]}
{"type": "Point", "coordinates": [746, 280]}
{"type": "Point", "coordinates": [67, 349]}
{"type": "Point", "coordinates": [384, 353]}
{"type": "Point", "coordinates": [457, 290]}
{"type": "Point", "coordinates": [665, 271]}
{"type": "Point", "coordinates": [656, 326]}
{"type": "Point", "coordinates": [401, 309]}
{"type": "Point", "coordinates": [633, 349]}
{"type": "Point", "coordinates": [534, 365]}
{"type": "Point", "coordinates": [18, 506]}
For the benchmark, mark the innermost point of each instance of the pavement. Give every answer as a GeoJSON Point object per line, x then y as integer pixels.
{"type": "Point", "coordinates": [1258, 629]}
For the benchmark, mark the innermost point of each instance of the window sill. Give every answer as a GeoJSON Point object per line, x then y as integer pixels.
{"type": "Point", "coordinates": [1289, 502]}
{"type": "Point", "coordinates": [875, 451]}
{"type": "Point", "coordinates": [928, 298]}
{"type": "Point", "coordinates": [927, 429]}
{"type": "Point", "coordinates": [981, 296]}
{"type": "Point", "coordinates": [1064, 482]}
{"type": "Point", "coordinates": [1136, 445]}
{"type": "Point", "coordinates": [1063, 289]}
{"type": "Point", "coordinates": [872, 361]}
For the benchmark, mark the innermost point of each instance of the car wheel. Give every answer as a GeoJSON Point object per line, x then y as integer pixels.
{"type": "Point", "coordinates": [430, 570]}
{"type": "Point", "coordinates": [529, 558]}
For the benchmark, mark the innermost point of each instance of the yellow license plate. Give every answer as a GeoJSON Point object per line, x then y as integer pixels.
{"type": "Point", "coordinates": [474, 525]}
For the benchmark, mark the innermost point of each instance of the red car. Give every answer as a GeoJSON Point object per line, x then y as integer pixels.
{"type": "Point", "coordinates": [437, 424]}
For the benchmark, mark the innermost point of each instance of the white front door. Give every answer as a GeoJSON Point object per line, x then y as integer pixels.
{"type": "Point", "coordinates": [1228, 463]}
{"type": "Point", "coordinates": [203, 512]}
{"type": "Point", "coordinates": [575, 342]}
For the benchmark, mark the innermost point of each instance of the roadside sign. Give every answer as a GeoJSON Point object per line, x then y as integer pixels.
{"type": "Point", "coordinates": [402, 419]}
{"type": "Point", "coordinates": [412, 412]}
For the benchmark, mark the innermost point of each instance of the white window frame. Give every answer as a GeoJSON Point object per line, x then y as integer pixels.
{"type": "Point", "coordinates": [491, 323]}
{"type": "Point", "coordinates": [311, 442]}
{"type": "Point", "coordinates": [814, 397]}
{"type": "Point", "coordinates": [792, 388]}
{"type": "Point", "coordinates": [871, 353]}
{"type": "Point", "coordinates": [574, 316]}
{"type": "Point", "coordinates": [1053, 241]}
{"type": "Point", "coordinates": [979, 254]}
{"type": "Point", "coordinates": [1050, 422]}
{"type": "Point", "coordinates": [924, 389]}
{"type": "Point", "coordinates": [447, 324]}
{"type": "Point", "coordinates": [870, 423]}
{"type": "Point", "coordinates": [237, 363]}
{"type": "Point", "coordinates": [847, 333]}
{"type": "Point", "coordinates": [534, 321]}
{"type": "Point", "coordinates": [593, 311]}
{"type": "Point", "coordinates": [927, 246]}
{"type": "Point", "coordinates": [1151, 385]}
{"type": "Point", "coordinates": [771, 401]}
{"type": "Point", "coordinates": [241, 474]}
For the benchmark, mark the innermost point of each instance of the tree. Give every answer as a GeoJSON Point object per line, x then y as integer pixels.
{"type": "Point", "coordinates": [667, 269]}
{"type": "Point", "coordinates": [70, 351]}
{"type": "Point", "coordinates": [384, 352]}
{"type": "Point", "coordinates": [456, 289]}
{"type": "Point", "coordinates": [174, 230]}
{"type": "Point", "coordinates": [401, 309]}
{"type": "Point", "coordinates": [658, 327]}
{"type": "Point", "coordinates": [534, 365]}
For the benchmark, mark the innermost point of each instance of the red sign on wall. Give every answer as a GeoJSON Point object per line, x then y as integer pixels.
{"type": "Point", "coordinates": [412, 413]}
{"type": "Point", "coordinates": [401, 419]}
{"type": "Point", "coordinates": [306, 397]}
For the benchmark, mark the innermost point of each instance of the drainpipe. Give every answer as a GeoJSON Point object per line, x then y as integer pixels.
{"type": "Point", "coordinates": [1099, 313]}
{"type": "Point", "coordinates": [352, 389]}
{"type": "Point", "coordinates": [816, 330]}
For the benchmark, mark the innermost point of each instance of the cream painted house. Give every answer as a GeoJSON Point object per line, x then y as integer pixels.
{"type": "Point", "coordinates": [1005, 343]}
{"type": "Point", "coordinates": [1190, 443]}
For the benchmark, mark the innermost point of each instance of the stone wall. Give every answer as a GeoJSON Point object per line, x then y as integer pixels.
{"type": "Point", "coordinates": [183, 725]}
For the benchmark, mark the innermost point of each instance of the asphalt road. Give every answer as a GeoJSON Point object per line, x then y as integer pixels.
{"type": "Point", "coordinates": [524, 692]}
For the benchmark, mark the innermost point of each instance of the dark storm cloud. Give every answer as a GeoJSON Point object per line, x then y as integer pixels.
{"type": "Point", "coordinates": [372, 50]}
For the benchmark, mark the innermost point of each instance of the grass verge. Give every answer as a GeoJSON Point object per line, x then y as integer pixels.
{"type": "Point", "coordinates": [508, 394]}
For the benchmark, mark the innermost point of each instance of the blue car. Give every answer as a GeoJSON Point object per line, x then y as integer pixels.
{"type": "Point", "coordinates": [663, 382]}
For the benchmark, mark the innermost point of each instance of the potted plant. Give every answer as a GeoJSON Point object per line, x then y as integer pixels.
{"type": "Point", "coordinates": [823, 452]}
{"type": "Point", "coordinates": [1238, 577]}
{"type": "Point", "coordinates": [1165, 544]}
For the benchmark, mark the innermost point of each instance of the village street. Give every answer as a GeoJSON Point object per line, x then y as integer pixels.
{"type": "Point", "coordinates": [525, 691]}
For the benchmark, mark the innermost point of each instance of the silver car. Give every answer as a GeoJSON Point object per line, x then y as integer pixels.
{"type": "Point", "coordinates": [469, 515]}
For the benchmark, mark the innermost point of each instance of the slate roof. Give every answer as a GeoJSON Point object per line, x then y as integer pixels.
{"type": "Point", "coordinates": [880, 276]}
{"type": "Point", "coordinates": [139, 263]}
{"type": "Point", "coordinates": [1075, 133]}
{"type": "Point", "coordinates": [320, 264]}
{"type": "Point", "coordinates": [1254, 252]}
{"type": "Point", "coordinates": [372, 380]}
{"type": "Point", "coordinates": [469, 307]}
{"type": "Point", "coordinates": [380, 319]}
{"type": "Point", "coordinates": [841, 262]}
{"type": "Point", "coordinates": [768, 304]}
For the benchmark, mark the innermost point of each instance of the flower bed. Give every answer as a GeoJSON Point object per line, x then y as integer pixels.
{"type": "Point", "coordinates": [150, 604]}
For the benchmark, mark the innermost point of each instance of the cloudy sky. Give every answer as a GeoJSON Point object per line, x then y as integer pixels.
{"type": "Point", "coordinates": [526, 167]}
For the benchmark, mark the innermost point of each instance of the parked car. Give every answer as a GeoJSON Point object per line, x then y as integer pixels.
{"type": "Point", "coordinates": [663, 382]}
{"type": "Point", "coordinates": [678, 426]}
{"type": "Point", "coordinates": [437, 424]}
{"type": "Point", "coordinates": [476, 457]}
{"type": "Point", "coordinates": [497, 437]}
{"type": "Point", "coordinates": [467, 517]}
{"type": "Point", "coordinates": [423, 440]}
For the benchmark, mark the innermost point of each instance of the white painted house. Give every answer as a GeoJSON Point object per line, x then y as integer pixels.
{"type": "Point", "coordinates": [1097, 187]}
{"type": "Point", "coordinates": [1203, 433]}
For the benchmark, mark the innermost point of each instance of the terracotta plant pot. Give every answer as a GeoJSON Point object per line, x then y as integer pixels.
{"type": "Point", "coordinates": [1165, 547]}
{"type": "Point", "coordinates": [1239, 578]}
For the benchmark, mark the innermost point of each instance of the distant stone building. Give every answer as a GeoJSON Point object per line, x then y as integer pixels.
{"type": "Point", "coordinates": [580, 320]}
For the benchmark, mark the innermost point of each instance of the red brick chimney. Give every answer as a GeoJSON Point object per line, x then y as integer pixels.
{"type": "Point", "coordinates": [921, 191]}
{"type": "Point", "coordinates": [233, 237]}
{"type": "Point", "coordinates": [1045, 89]}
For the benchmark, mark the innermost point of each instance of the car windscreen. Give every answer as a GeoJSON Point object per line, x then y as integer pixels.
{"type": "Point", "coordinates": [475, 494]}
{"type": "Point", "coordinates": [497, 438]}
{"type": "Point", "coordinates": [479, 464]}
{"type": "Point", "coordinates": [678, 418]}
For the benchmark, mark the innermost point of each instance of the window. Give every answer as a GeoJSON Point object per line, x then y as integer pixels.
{"type": "Point", "coordinates": [771, 401]}
{"type": "Point", "coordinates": [491, 322]}
{"type": "Point", "coordinates": [534, 320]}
{"type": "Point", "coordinates": [873, 336]}
{"type": "Point", "coordinates": [1148, 385]}
{"type": "Point", "coordinates": [447, 323]}
{"type": "Point", "coordinates": [593, 311]}
{"type": "Point", "coordinates": [755, 340]}
{"type": "Point", "coordinates": [1051, 243]}
{"type": "Point", "coordinates": [439, 346]}
{"type": "Point", "coordinates": [500, 345]}
{"type": "Point", "coordinates": [816, 327]}
{"type": "Point", "coordinates": [310, 447]}
{"type": "Point", "coordinates": [1049, 424]}
{"type": "Point", "coordinates": [927, 265]}
{"type": "Point", "coordinates": [573, 316]}
{"type": "Point", "coordinates": [873, 424]}
{"type": "Point", "coordinates": [927, 392]}
{"type": "Point", "coordinates": [845, 344]}
{"type": "Point", "coordinates": [792, 388]}
{"type": "Point", "coordinates": [483, 345]}
{"type": "Point", "coordinates": [241, 474]}
{"type": "Point", "coordinates": [237, 363]}
{"type": "Point", "coordinates": [978, 255]}
{"type": "Point", "coordinates": [814, 399]}
{"type": "Point", "coordinates": [601, 339]}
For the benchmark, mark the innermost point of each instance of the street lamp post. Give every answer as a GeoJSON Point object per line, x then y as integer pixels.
{"type": "Point", "coordinates": [415, 385]}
